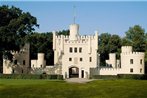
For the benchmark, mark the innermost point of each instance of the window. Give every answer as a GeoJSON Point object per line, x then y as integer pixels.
{"type": "Point", "coordinates": [80, 50]}
{"type": "Point", "coordinates": [131, 70]}
{"type": "Point", "coordinates": [15, 61]}
{"type": "Point", "coordinates": [90, 59]}
{"type": "Point", "coordinates": [70, 49]}
{"type": "Point", "coordinates": [70, 59]}
{"type": "Point", "coordinates": [81, 59]}
{"type": "Point", "coordinates": [24, 62]}
{"type": "Point", "coordinates": [131, 61]}
{"type": "Point", "coordinates": [140, 70]}
{"type": "Point", "coordinates": [141, 61]}
{"type": "Point", "coordinates": [22, 71]}
{"type": "Point", "coordinates": [13, 71]}
{"type": "Point", "coordinates": [75, 50]}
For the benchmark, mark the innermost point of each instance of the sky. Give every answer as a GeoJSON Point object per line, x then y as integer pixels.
{"type": "Point", "coordinates": [104, 16]}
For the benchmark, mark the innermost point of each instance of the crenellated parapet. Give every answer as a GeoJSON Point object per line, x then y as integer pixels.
{"type": "Point", "coordinates": [107, 69]}
{"type": "Point", "coordinates": [126, 49]}
{"type": "Point", "coordinates": [133, 53]}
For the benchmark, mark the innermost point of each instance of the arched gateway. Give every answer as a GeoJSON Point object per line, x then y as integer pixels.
{"type": "Point", "coordinates": [73, 72]}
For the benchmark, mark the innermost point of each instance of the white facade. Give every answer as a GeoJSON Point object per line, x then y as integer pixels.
{"type": "Point", "coordinates": [40, 62]}
{"type": "Point", "coordinates": [7, 69]}
{"type": "Point", "coordinates": [76, 54]}
{"type": "Point", "coordinates": [20, 62]}
{"type": "Point", "coordinates": [130, 63]}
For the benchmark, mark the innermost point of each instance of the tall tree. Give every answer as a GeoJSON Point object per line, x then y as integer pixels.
{"type": "Point", "coordinates": [14, 26]}
{"type": "Point", "coordinates": [108, 44]}
{"type": "Point", "coordinates": [135, 36]}
{"type": "Point", "coordinates": [42, 43]}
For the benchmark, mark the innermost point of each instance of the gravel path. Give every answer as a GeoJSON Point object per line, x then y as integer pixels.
{"type": "Point", "coordinates": [78, 80]}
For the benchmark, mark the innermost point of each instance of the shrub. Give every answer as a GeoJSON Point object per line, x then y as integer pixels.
{"type": "Point", "coordinates": [30, 76]}
{"type": "Point", "coordinates": [104, 77]}
{"type": "Point", "coordinates": [132, 76]}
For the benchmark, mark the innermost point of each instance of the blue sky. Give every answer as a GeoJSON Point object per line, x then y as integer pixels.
{"type": "Point", "coordinates": [109, 16]}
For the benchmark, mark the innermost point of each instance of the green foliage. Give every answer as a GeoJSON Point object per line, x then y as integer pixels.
{"type": "Point", "coordinates": [104, 77]}
{"type": "Point", "coordinates": [108, 44]}
{"type": "Point", "coordinates": [135, 36]}
{"type": "Point", "coordinates": [14, 25]}
{"type": "Point", "coordinates": [132, 76]}
{"type": "Point", "coordinates": [121, 76]}
{"type": "Point", "coordinates": [30, 76]}
{"type": "Point", "coordinates": [42, 43]}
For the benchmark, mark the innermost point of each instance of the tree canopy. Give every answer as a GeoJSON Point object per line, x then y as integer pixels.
{"type": "Point", "coordinates": [14, 26]}
{"type": "Point", "coordinates": [108, 44]}
{"type": "Point", "coordinates": [135, 37]}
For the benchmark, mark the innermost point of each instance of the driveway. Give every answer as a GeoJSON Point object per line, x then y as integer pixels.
{"type": "Point", "coordinates": [78, 80]}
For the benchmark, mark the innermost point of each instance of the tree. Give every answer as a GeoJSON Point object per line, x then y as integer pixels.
{"type": "Point", "coordinates": [108, 44]}
{"type": "Point", "coordinates": [43, 43]}
{"type": "Point", "coordinates": [135, 36]}
{"type": "Point", "coordinates": [14, 26]}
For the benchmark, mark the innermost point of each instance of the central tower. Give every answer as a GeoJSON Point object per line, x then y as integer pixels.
{"type": "Point", "coordinates": [74, 31]}
{"type": "Point", "coordinates": [74, 28]}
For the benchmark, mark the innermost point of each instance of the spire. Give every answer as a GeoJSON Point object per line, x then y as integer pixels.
{"type": "Point", "coordinates": [74, 14]}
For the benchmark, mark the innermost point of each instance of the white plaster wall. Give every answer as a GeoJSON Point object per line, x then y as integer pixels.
{"type": "Point", "coordinates": [126, 49]}
{"type": "Point", "coordinates": [7, 69]}
{"type": "Point", "coordinates": [40, 62]}
{"type": "Point", "coordinates": [33, 63]}
{"type": "Point", "coordinates": [112, 60]}
{"type": "Point", "coordinates": [88, 50]}
{"type": "Point", "coordinates": [74, 31]}
{"type": "Point", "coordinates": [109, 71]}
{"type": "Point", "coordinates": [136, 66]}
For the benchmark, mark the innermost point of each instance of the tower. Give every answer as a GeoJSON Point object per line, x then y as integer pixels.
{"type": "Point", "coordinates": [74, 28]}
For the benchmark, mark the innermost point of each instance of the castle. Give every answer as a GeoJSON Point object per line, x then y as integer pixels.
{"type": "Point", "coordinates": [77, 56]}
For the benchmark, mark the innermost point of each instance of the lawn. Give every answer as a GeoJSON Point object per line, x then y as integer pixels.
{"type": "Point", "coordinates": [59, 89]}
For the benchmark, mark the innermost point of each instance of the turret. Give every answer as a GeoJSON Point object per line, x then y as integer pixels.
{"type": "Point", "coordinates": [74, 31]}
{"type": "Point", "coordinates": [126, 49]}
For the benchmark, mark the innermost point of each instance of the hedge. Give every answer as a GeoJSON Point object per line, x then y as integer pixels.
{"type": "Point", "coordinates": [30, 76]}
{"type": "Point", "coordinates": [121, 76]}
{"type": "Point", "coordinates": [132, 76]}
{"type": "Point", "coordinates": [103, 77]}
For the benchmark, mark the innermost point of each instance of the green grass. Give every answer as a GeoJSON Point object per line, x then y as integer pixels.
{"type": "Point", "coordinates": [10, 88]}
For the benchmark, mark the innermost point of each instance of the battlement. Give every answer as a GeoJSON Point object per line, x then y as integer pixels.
{"type": "Point", "coordinates": [133, 53]}
{"type": "Point", "coordinates": [126, 49]}
{"type": "Point", "coordinates": [110, 69]}
{"type": "Point", "coordinates": [14, 52]}
{"type": "Point", "coordinates": [78, 37]}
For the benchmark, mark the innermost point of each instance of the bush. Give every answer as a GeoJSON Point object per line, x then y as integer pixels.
{"type": "Point", "coordinates": [30, 76]}
{"type": "Point", "coordinates": [132, 76]}
{"type": "Point", "coordinates": [104, 77]}
{"type": "Point", "coordinates": [121, 76]}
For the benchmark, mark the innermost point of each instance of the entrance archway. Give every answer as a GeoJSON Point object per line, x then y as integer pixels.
{"type": "Point", "coordinates": [73, 72]}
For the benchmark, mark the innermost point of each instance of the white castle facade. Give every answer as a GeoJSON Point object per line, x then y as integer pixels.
{"type": "Point", "coordinates": [130, 63]}
{"type": "Point", "coordinates": [77, 56]}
